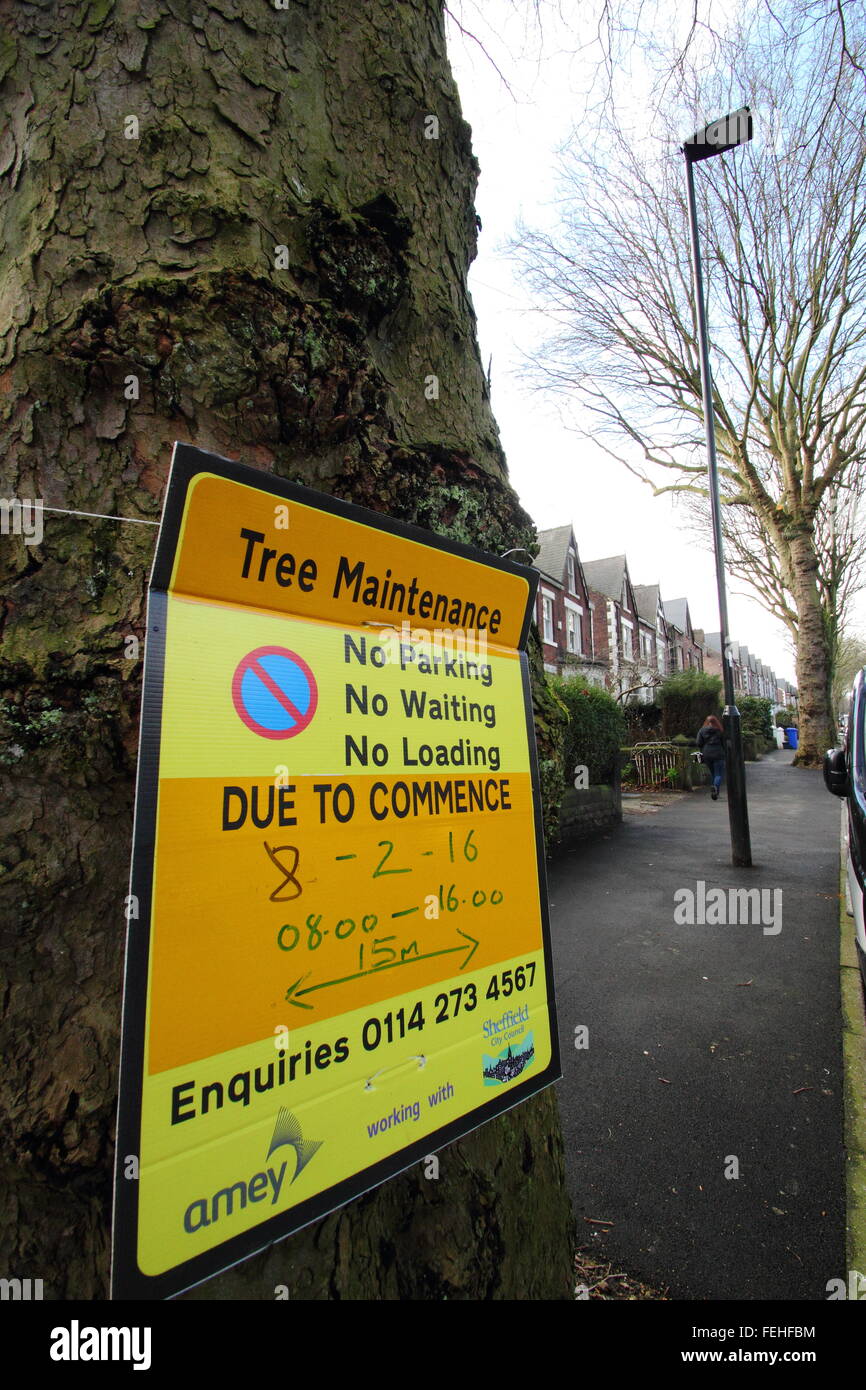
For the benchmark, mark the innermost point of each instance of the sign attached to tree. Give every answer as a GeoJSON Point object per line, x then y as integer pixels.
{"type": "Point", "coordinates": [338, 955]}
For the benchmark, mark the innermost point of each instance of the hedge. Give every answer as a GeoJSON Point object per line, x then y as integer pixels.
{"type": "Point", "coordinates": [596, 728]}
{"type": "Point", "coordinates": [787, 718]}
{"type": "Point", "coordinates": [686, 699]}
{"type": "Point", "coordinates": [643, 720]}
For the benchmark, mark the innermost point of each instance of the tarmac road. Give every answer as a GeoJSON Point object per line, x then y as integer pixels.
{"type": "Point", "coordinates": [707, 1044]}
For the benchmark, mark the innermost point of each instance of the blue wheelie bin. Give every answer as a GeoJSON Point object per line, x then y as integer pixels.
{"type": "Point", "coordinates": [792, 737]}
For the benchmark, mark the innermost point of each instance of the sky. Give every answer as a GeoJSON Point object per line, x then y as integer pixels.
{"type": "Point", "coordinates": [560, 476]}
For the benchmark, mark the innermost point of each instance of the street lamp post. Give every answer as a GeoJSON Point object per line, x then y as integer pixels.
{"type": "Point", "coordinates": [724, 134]}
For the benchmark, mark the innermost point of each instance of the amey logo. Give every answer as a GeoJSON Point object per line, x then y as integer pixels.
{"type": "Point", "coordinates": [206, 1211]}
{"type": "Point", "coordinates": [729, 907]}
{"type": "Point", "coordinates": [77, 1343]}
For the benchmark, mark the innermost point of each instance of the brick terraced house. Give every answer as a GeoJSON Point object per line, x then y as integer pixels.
{"type": "Point", "coordinates": [616, 622]}
{"type": "Point", "coordinates": [564, 610]}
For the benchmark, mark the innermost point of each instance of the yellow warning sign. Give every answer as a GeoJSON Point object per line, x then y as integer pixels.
{"type": "Point", "coordinates": [337, 958]}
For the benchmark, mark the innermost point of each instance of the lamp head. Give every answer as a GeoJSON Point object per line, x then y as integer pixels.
{"type": "Point", "coordinates": [725, 133]}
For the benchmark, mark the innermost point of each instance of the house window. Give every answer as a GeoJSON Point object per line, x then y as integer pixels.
{"type": "Point", "coordinates": [571, 584]}
{"type": "Point", "coordinates": [627, 631]}
{"type": "Point", "coordinates": [547, 612]}
{"type": "Point", "coordinates": [571, 630]}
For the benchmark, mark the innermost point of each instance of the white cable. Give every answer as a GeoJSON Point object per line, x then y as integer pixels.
{"type": "Point", "coordinates": [101, 516]}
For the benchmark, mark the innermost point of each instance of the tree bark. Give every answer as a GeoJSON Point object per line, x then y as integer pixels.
{"type": "Point", "coordinates": [144, 301]}
{"type": "Point", "coordinates": [817, 731]}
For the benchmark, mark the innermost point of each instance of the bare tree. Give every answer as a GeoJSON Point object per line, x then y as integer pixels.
{"type": "Point", "coordinates": [852, 657]}
{"type": "Point", "coordinates": [631, 680]}
{"type": "Point", "coordinates": [698, 33]}
{"type": "Point", "coordinates": [784, 234]}
{"type": "Point", "coordinates": [751, 556]}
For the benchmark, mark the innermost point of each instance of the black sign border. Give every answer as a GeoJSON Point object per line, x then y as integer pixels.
{"type": "Point", "coordinates": [127, 1280]}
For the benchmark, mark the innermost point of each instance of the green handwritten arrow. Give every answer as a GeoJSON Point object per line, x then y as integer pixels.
{"type": "Point", "coordinates": [293, 994]}
{"type": "Point", "coordinates": [291, 990]}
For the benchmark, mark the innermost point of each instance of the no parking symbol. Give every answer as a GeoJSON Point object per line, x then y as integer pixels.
{"type": "Point", "coordinates": [274, 692]}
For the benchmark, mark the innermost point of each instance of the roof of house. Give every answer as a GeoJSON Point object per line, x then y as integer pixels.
{"type": "Point", "coordinates": [677, 612]}
{"type": "Point", "coordinates": [646, 596]}
{"type": "Point", "coordinates": [607, 576]}
{"type": "Point", "coordinates": [553, 551]}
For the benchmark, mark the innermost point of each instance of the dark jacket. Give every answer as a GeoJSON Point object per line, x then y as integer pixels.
{"type": "Point", "coordinates": [711, 744]}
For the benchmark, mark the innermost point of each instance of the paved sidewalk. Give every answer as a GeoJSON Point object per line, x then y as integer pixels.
{"type": "Point", "coordinates": [707, 1044]}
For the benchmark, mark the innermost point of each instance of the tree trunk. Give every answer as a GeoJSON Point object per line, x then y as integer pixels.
{"type": "Point", "coordinates": [155, 157]}
{"type": "Point", "coordinates": [817, 730]}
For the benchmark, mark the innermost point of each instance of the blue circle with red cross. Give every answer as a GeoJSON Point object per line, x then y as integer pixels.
{"type": "Point", "coordinates": [274, 692]}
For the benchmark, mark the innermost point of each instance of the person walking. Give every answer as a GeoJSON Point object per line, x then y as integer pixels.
{"type": "Point", "coordinates": [711, 743]}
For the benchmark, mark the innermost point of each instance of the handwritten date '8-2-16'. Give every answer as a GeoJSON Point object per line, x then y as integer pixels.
{"type": "Point", "coordinates": [290, 886]}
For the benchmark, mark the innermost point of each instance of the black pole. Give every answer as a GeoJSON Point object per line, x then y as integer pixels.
{"type": "Point", "coordinates": [738, 810]}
